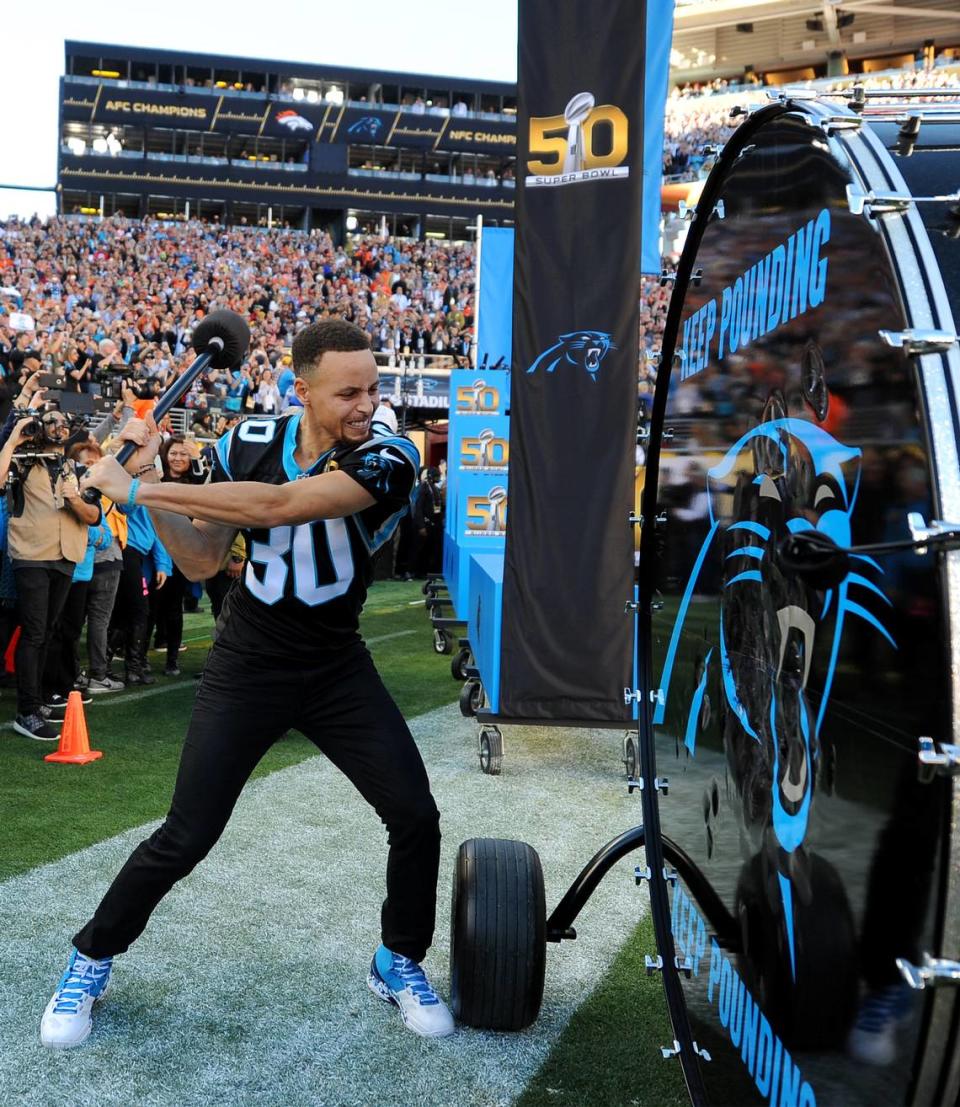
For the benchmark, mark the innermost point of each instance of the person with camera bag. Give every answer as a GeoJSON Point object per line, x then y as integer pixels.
{"type": "Point", "coordinates": [47, 537]}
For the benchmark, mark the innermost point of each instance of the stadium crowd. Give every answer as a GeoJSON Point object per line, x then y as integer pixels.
{"type": "Point", "coordinates": [106, 309]}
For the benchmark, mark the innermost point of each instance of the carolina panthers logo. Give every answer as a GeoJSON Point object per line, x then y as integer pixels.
{"type": "Point", "coordinates": [367, 127]}
{"type": "Point", "coordinates": [378, 469]}
{"type": "Point", "coordinates": [777, 643]}
{"type": "Point", "coordinates": [584, 348]}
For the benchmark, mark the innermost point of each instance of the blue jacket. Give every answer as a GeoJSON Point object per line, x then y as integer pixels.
{"type": "Point", "coordinates": [99, 537]}
{"type": "Point", "coordinates": [143, 537]}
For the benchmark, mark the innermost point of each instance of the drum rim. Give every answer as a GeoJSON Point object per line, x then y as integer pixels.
{"type": "Point", "coordinates": [851, 139]}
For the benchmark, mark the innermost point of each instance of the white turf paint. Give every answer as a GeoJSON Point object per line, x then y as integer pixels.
{"type": "Point", "coordinates": [248, 988]}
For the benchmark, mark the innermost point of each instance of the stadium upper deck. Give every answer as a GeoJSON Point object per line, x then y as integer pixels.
{"type": "Point", "coordinates": [164, 132]}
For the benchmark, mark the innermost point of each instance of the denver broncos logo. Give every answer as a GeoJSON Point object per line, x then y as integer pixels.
{"type": "Point", "coordinates": [584, 348]}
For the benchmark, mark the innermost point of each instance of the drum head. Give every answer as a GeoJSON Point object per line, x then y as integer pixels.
{"type": "Point", "coordinates": [791, 702]}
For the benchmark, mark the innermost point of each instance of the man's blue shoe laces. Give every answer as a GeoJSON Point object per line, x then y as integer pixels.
{"type": "Point", "coordinates": [81, 979]}
{"type": "Point", "coordinates": [414, 978]}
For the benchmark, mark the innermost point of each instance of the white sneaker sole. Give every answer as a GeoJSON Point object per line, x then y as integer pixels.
{"type": "Point", "coordinates": [86, 1034]}
{"type": "Point", "coordinates": [36, 737]}
{"type": "Point", "coordinates": [381, 991]}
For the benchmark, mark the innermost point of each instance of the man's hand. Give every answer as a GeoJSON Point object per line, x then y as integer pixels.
{"type": "Point", "coordinates": [144, 434]}
{"type": "Point", "coordinates": [161, 579]}
{"type": "Point", "coordinates": [109, 477]}
{"type": "Point", "coordinates": [16, 435]}
{"type": "Point", "coordinates": [30, 387]}
{"type": "Point", "coordinates": [234, 568]}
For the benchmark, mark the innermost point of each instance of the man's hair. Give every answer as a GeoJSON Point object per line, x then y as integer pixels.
{"type": "Point", "coordinates": [327, 336]}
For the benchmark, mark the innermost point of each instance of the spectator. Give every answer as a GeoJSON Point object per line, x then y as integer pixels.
{"type": "Point", "coordinates": [176, 460]}
{"type": "Point", "coordinates": [47, 537]}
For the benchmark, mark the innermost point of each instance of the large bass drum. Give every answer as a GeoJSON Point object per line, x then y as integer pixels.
{"type": "Point", "coordinates": [810, 382]}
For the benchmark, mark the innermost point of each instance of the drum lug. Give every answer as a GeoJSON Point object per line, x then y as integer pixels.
{"type": "Point", "coordinates": [876, 203]}
{"type": "Point", "coordinates": [937, 759]}
{"type": "Point", "coordinates": [931, 974]}
{"type": "Point", "coordinates": [919, 341]}
{"type": "Point", "coordinates": [920, 533]}
{"type": "Point", "coordinates": [839, 123]}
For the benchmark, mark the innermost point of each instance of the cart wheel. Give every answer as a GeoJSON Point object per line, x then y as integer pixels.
{"type": "Point", "coordinates": [467, 710]}
{"type": "Point", "coordinates": [460, 663]}
{"type": "Point", "coordinates": [442, 641]}
{"type": "Point", "coordinates": [814, 1006]}
{"type": "Point", "coordinates": [426, 586]}
{"type": "Point", "coordinates": [491, 750]}
{"type": "Point", "coordinates": [631, 756]}
{"type": "Point", "coordinates": [498, 935]}
{"type": "Point", "coordinates": [477, 697]}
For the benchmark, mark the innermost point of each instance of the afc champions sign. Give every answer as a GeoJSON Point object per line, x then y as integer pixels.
{"type": "Point", "coordinates": [588, 142]}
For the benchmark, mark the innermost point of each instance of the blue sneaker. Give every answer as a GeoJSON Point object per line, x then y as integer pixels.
{"type": "Point", "coordinates": [400, 981]}
{"type": "Point", "coordinates": [873, 1039]}
{"type": "Point", "coordinates": [68, 1018]}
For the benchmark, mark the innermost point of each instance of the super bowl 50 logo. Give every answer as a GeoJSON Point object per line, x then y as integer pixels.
{"type": "Point", "coordinates": [485, 452]}
{"type": "Point", "coordinates": [487, 515]}
{"type": "Point", "coordinates": [478, 398]}
{"type": "Point", "coordinates": [588, 142]}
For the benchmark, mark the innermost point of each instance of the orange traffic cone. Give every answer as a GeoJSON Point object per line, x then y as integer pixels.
{"type": "Point", "coordinates": [74, 746]}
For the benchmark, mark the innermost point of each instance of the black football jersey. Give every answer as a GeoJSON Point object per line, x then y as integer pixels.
{"type": "Point", "coordinates": [304, 586]}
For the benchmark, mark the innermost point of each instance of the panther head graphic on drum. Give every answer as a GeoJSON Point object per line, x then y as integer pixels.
{"type": "Point", "coordinates": [586, 349]}
{"type": "Point", "coordinates": [778, 639]}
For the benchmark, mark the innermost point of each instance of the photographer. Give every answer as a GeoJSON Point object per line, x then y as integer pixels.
{"type": "Point", "coordinates": [47, 537]}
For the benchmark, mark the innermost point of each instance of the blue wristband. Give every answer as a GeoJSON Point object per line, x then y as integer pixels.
{"type": "Point", "coordinates": [132, 495]}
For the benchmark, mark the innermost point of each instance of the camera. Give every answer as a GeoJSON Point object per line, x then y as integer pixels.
{"type": "Point", "coordinates": [32, 430]}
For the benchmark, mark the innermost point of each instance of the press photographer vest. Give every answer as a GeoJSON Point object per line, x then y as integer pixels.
{"type": "Point", "coordinates": [46, 531]}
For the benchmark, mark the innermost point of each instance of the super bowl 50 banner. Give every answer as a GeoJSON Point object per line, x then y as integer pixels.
{"type": "Point", "coordinates": [567, 646]}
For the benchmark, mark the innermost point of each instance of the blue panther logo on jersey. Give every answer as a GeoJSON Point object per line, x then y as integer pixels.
{"type": "Point", "coordinates": [784, 476]}
{"type": "Point", "coordinates": [584, 348]}
{"type": "Point", "coordinates": [378, 468]}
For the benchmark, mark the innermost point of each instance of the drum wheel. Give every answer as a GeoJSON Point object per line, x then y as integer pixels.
{"type": "Point", "coordinates": [498, 935]}
{"type": "Point", "coordinates": [462, 660]}
{"type": "Point", "coordinates": [442, 642]}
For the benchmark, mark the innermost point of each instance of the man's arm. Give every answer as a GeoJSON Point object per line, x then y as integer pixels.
{"type": "Point", "coordinates": [198, 548]}
{"type": "Point", "coordinates": [239, 503]}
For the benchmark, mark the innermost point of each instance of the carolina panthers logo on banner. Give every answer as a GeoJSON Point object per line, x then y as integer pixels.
{"type": "Point", "coordinates": [586, 349]}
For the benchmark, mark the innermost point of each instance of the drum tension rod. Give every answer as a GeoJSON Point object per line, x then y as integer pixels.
{"type": "Point", "coordinates": [919, 340]}
{"type": "Point", "coordinates": [886, 203]}
{"type": "Point", "coordinates": [933, 972]}
{"type": "Point", "coordinates": [937, 759]}
{"type": "Point", "coordinates": [666, 1052]}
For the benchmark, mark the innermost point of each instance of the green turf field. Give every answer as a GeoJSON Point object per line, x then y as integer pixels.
{"type": "Point", "coordinates": [608, 1053]}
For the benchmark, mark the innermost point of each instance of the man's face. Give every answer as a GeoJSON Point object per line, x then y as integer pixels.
{"type": "Point", "coordinates": [56, 429]}
{"type": "Point", "coordinates": [340, 395]}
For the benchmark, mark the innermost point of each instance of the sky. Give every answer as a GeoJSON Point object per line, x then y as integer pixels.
{"type": "Point", "coordinates": [442, 37]}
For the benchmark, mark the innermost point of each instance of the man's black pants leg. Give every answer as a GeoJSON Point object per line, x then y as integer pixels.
{"type": "Point", "coordinates": [236, 719]}
{"type": "Point", "coordinates": [349, 715]}
{"type": "Point", "coordinates": [41, 594]}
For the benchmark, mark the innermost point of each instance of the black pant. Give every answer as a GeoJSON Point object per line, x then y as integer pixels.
{"type": "Point", "coordinates": [168, 613]}
{"type": "Point", "coordinates": [63, 650]}
{"type": "Point", "coordinates": [41, 594]}
{"type": "Point", "coordinates": [217, 588]}
{"type": "Point", "coordinates": [128, 627]}
{"type": "Point", "coordinates": [244, 704]}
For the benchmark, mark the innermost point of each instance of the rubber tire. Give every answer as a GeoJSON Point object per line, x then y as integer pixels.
{"type": "Point", "coordinates": [498, 935]}
{"type": "Point", "coordinates": [631, 757]}
{"type": "Point", "coordinates": [460, 664]}
{"type": "Point", "coordinates": [491, 750]}
{"type": "Point", "coordinates": [477, 698]}
{"type": "Point", "coordinates": [817, 1010]}
{"type": "Point", "coordinates": [467, 710]}
{"type": "Point", "coordinates": [442, 642]}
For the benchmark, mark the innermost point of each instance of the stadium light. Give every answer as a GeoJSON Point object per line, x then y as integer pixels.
{"type": "Point", "coordinates": [351, 222]}
{"type": "Point", "coordinates": [298, 94]}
